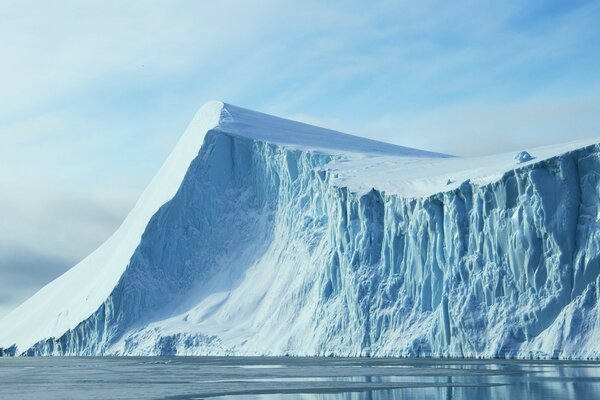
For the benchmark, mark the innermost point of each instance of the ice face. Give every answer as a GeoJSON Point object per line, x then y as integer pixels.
{"type": "Point", "coordinates": [264, 250]}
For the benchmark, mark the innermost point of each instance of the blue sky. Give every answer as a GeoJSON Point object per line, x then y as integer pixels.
{"type": "Point", "coordinates": [96, 93]}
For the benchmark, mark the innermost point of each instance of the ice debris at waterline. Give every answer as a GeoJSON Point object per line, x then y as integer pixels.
{"type": "Point", "coordinates": [262, 236]}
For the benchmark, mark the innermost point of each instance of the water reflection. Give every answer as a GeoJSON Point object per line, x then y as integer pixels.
{"type": "Point", "coordinates": [229, 378]}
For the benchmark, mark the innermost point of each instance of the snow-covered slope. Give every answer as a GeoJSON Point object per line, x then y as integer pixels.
{"type": "Point", "coordinates": [266, 236]}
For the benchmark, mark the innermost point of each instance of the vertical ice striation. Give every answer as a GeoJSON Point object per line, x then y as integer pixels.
{"type": "Point", "coordinates": [273, 244]}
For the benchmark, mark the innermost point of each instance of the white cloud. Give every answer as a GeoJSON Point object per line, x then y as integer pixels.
{"type": "Point", "coordinates": [472, 129]}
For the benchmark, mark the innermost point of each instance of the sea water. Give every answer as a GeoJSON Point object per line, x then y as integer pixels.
{"type": "Point", "coordinates": [294, 378]}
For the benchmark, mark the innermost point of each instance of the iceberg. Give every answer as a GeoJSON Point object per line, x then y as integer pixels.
{"type": "Point", "coordinates": [264, 236]}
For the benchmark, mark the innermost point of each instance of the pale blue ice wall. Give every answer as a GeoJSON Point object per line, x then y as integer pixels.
{"type": "Point", "coordinates": [504, 269]}
{"type": "Point", "coordinates": [472, 272]}
{"type": "Point", "coordinates": [218, 222]}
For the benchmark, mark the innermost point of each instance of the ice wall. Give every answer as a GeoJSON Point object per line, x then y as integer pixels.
{"type": "Point", "coordinates": [262, 252]}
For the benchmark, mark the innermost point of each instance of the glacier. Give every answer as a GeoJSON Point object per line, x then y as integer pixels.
{"type": "Point", "coordinates": [264, 236]}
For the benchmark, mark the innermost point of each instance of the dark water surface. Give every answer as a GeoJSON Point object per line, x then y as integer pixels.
{"type": "Point", "coordinates": [294, 378]}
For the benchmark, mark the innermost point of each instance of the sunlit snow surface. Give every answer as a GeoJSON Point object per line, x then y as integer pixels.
{"type": "Point", "coordinates": [263, 236]}
{"type": "Point", "coordinates": [187, 378]}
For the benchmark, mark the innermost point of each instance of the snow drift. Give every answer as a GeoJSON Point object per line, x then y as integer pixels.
{"type": "Point", "coordinates": [262, 236]}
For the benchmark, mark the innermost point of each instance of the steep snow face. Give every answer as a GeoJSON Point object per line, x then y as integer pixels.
{"type": "Point", "coordinates": [74, 296]}
{"type": "Point", "coordinates": [284, 238]}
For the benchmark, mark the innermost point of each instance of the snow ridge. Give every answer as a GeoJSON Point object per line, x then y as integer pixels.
{"type": "Point", "coordinates": [276, 237]}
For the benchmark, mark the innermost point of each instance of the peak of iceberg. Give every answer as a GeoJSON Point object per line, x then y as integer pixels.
{"type": "Point", "coordinates": [275, 130]}
{"type": "Point", "coordinates": [257, 230]}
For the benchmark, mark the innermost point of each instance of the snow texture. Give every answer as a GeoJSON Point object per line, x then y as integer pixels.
{"type": "Point", "coordinates": [263, 236]}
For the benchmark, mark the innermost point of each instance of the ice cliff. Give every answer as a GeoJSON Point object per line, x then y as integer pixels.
{"type": "Point", "coordinates": [262, 236]}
